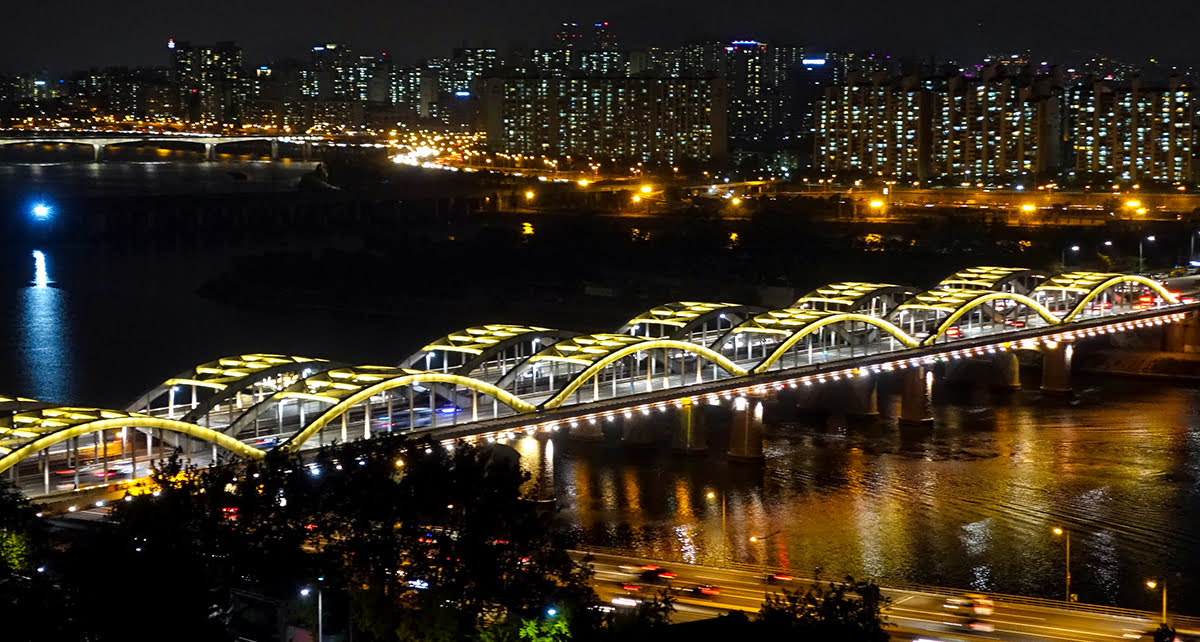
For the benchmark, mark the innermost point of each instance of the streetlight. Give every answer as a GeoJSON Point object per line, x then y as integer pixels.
{"type": "Point", "coordinates": [41, 211]}
{"type": "Point", "coordinates": [305, 592]}
{"type": "Point", "coordinates": [1151, 584]}
{"type": "Point", "coordinates": [1073, 248]}
{"type": "Point", "coordinates": [1057, 530]}
{"type": "Point", "coordinates": [1141, 264]}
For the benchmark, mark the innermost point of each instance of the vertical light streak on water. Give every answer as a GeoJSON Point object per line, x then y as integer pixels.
{"type": "Point", "coordinates": [43, 343]}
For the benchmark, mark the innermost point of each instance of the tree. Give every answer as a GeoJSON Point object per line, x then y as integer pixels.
{"type": "Point", "coordinates": [847, 610]}
{"type": "Point", "coordinates": [1164, 633]}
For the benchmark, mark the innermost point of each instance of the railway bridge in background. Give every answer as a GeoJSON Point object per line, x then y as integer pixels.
{"type": "Point", "coordinates": [682, 364]}
{"type": "Point", "coordinates": [101, 141]}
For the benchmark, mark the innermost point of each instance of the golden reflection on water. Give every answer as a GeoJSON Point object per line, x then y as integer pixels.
{"type": "Point", "coordinates": [967, 502]}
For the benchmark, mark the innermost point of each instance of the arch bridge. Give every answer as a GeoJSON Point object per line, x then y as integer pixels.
{"type": "Point", "coordinates": [473, 380]}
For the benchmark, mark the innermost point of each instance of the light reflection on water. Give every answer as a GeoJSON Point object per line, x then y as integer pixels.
{"type": "Point", "coordinates": [43, 336]}
{"type": "Point", "coordinates": [969, 502]}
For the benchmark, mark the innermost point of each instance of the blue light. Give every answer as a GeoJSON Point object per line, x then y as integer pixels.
{"type": "Point", "coordinates": [462, 94]}
{"type": "Point", "coordinates": [41, 211]}
{"type": "Point", "coordinates": [744, 42]}
{"type": "Point", "coordinates": [449, 410]}
{"type": "Point", "coordinates": [551, 611]}
{"type": "Point", "coordinates": [813, 61]}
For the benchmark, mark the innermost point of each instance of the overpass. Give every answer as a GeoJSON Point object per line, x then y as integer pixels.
{"type": "Point", "coordinates": [677, 363]}
{"type": "Point", "coordinates": [100, 141]}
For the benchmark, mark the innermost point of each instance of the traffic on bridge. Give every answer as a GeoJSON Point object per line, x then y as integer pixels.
{"type": "Point", "coordinates": [492, 381]}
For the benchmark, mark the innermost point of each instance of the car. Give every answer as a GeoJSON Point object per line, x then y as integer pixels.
{"type": "Point", "coordinates": [656, 574]}
{"type": "Point", "coordinates": [1015, 323]}
{"type": "Point", "coordinates": [777, 578]}
{"type": "Point", "coordinates": [954, 333]}
{"type": "Point", "coordinates": [703, 590]}
{"type": "Point", "coordinates": [972, 604]}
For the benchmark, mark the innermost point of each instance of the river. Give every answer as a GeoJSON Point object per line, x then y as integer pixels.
{"type": "Point", "coordinates": [967, 502]}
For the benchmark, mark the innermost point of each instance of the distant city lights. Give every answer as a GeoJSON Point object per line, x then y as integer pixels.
{"type": "Point", "coordinates": [41, 211]}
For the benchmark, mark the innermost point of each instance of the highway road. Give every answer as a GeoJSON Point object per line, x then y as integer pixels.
{"type": "Point", "coordinates": [912, 614]}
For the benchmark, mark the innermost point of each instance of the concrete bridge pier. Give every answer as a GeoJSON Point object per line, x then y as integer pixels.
{"type": "Point", "coordinates": [1008, 370]}
{"type": "Point", "coordinates": [210, 151]}
{"type": "Point", "coordinates": [306, 151]}
{"type": "Point", "coordinates": [914, 396]}
{"type": "Point", "coordinates": [638, 429]}
{"type": "Point", "coordinates": [274, 150]}
{"type": "Point", "coordinates": [689, 436]}
{"type": "Point", "coordinates": [97, 153]}
{"type": "Point", "coordinates": [587, 431]}
{"type": "Point", "coordinates": [746, 433]}
{"type": "Point", "coordinates": [861, 397]}
{"type": "Point", "coordinates": [1183, 336]}
{"type": "Point", "coordinates": [1056, 366]}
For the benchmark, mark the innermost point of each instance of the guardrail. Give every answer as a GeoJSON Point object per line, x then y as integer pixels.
{"type": "Point", "coordinates": [1178, 621]}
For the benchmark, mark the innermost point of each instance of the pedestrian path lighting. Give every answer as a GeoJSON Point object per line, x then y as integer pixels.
{"type": "Point", "coordinates": [1066, 534]}
{"type": "Point", "coordinates": [1153, 584]}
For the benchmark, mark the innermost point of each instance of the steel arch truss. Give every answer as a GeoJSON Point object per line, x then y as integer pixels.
{"type": "Point", "coordinates": [1076, 294]}
{"type": "Point", "coordinates": [615, 364]}
{"type": "Point", "coordinates": [211, 384]}
{"type": "Point", "coordinates": [945, 307]}
{"type": "Point", "coordinates": [321, 398]}
{"type": "Point", "coordinates": [800, 344]}
{"type": "Point", "coordinates": [688, 321]}
{"type": "Point", "coordinates": [875, 299]}
{"type": "Point", "coordinates": [491, 349]}
{"type": "Point", "coordinates": [1018, 280]}
{"type": "Point", "coordinates": [27, 433]}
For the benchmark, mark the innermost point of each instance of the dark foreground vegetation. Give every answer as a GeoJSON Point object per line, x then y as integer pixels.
{"type": "Point", "coordinates": [395, 540]}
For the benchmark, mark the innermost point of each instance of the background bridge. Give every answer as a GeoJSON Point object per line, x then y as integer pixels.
{"type": "Point", "coordinates": [487, 382]}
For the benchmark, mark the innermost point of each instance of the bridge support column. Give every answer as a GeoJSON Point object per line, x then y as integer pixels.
{"type": "Point", "coordinates": [745, 436]}
{"type": "Point", "coordinates": [861, 397]}
{"type": "Point", "coordinates": [637, 429]}
{"type": "Point", "coordinates": [1183, 336]}
{"type": "Point", "coordinates": [306, 151]}
{"type": "Point", "coordinates": [275, 150]}
{"type": "Point", "coordinates": [587, 431]}
{"type": "Point", "coordinates": [914, 396]}
{"type": "Point", "coordinates": [97, 153]}
{"type": "Point", "coordinates": [1056, 366]}
{"type": "Point", "coordinates": [689, 429]}
{"type": "Point", "coordinates": [1009, 369]}
{"type": "Point", "coordinates": [210, 151]}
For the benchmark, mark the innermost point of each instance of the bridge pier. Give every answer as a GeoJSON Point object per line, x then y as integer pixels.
{"type": "Point", "coordinates": [1056, 366]}
{"type": "Point", "coordinates": [210, 151]}
{"type": "Point", "coordinates": [1008, 368]}
{"type": "Point", "coordinates": [861, 398]}
{"type": "Point", "coordinates": [1183, 336]}
{"type": "Point", "coordinates": [97, 153]}
{"type": "Point", "coordinates": [637, 429]}
{"type": "Point", "coordinates": [689, 434]}
{"type": "Point", "coordinates": [587, 431]}
{"type": "Point", "coordinates": [274, 150]}
{"type": "Point", "coordinates": [746, 433]}
{"type": "Point", "coordinates": [306, 151]}
{"type": "Point", "coordinates": [914, 396]}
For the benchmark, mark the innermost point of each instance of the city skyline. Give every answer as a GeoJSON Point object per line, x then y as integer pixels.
{"type": "Point", "coordinates": [271, 31]}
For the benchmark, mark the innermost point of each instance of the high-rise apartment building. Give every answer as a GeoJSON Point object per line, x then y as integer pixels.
{"type": "Point", "coordinates": [992, 129]}
{"type": "Point", "coordinates": [208, 79]}
{"type": "Point", "coordinates": [1135, 132]}
{"type": "Point", "coordinates": [656, 121]}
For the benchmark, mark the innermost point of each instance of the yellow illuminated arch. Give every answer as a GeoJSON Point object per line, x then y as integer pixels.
{"type": "Point", "coordinates": [47, 440]}
{"type": "Point", "coordinates": [598, 365]}
{"type": "Point", "coordinates": [968, 306]}
{"type": "Point", "coordinates": [886, 326]}
{"type": "Point", "coordinates": [340, 406]}
{"type": "Point", "coordinates": [1116, 280]}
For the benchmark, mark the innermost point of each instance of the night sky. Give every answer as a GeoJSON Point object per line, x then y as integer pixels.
{"type": "Point", "coordinates": [68, 34]}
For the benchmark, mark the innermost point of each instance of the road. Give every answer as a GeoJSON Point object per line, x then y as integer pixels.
{"type": "Point", "coordinates": [912, 615]}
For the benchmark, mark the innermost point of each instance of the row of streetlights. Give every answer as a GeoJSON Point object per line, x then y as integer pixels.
{"type": "Point", "coordinates": [1151, 238]}
{"type": "Point", "coordinates": [1150, 584]}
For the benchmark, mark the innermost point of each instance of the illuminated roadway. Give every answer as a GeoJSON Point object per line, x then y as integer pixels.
{"type": "Point", "coordinates": [913, 613]}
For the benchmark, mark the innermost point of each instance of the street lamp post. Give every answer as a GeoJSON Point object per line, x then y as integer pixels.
{"type": "Point", "coordinates": [1066, 534]}
{"type": "Point", "coordinates": [304, 592]}
{"type": "Point", "coordinates": [1152, 584]}
{"type": "Point", "coordinates": [1141, 264]}
{"type": "Point", "coordinates": [1073, 248]}
{"type": "Point", "coordinates": [724, 537]}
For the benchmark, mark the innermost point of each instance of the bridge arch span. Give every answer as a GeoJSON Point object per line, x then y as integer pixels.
{"type": "Point", "coordinates": [833, 319]}
{"type": "Point", "coordinates": [45, 428]}
{"type": "Point", "coordinates": [1116, 280]}
{"type": "Point", "coordinates": [342, 403]}
{"type": "Point", "coordinates": [971, 304]}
